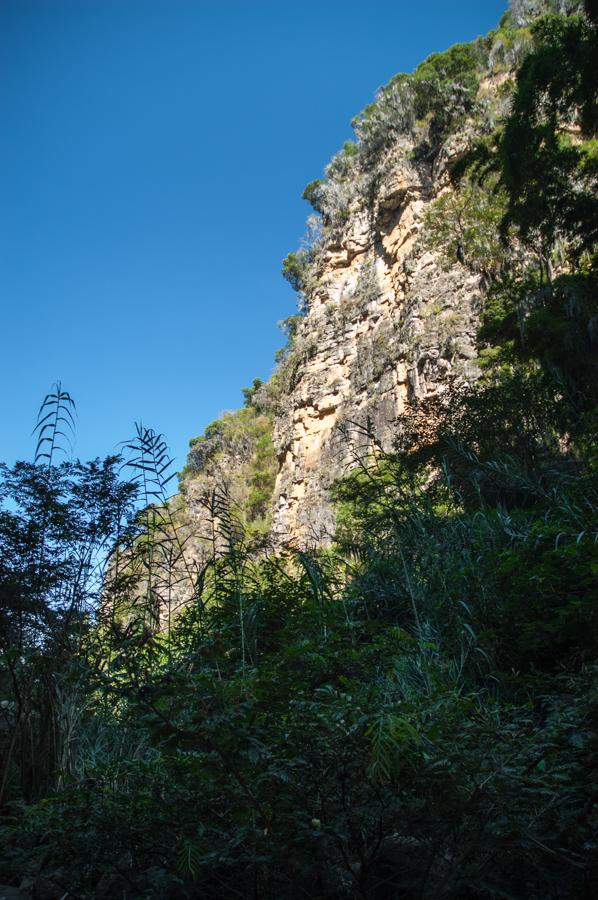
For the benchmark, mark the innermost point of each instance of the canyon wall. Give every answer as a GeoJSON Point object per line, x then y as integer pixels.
{"type": "Point", "coordinates": [387, 318]}
{"type": "Point", "coordinates": [387, 324]}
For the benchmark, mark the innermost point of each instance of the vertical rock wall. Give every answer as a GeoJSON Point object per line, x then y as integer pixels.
{"type": "Point", "coordinates": [385, 324]}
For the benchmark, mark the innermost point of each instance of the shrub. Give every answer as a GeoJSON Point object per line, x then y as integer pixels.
{"type": "Point", "coordinates": [464, 226]}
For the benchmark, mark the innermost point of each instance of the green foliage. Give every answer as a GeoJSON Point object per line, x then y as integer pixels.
{"type": "Point", "coordinates": [332, 196]}
{"type": "Point", "coordinates": [339, 191]}
{"type": "Point", "coordinates": [294, 269]}
{"type": "Point", "coordinates": [354, 719]}
{"type": "Point", "coordinates": [237, 449]}
{"type": "Point", "coordinates": [459, 63]}
{"type": "Point", "coordinates": [58, 523]}
{"type": "Point", "coordinates": [251, 394]}
{"type": "Point", "coordinates": [427, 105]}
{"type": "Point", "coordinates": [524, 212]}
{"type": "Point", "coordinates": [382, 123]}
{"type": "Point", "coordinates": [509, 46]}
{"type": "Point", "coordinates": [155, 560]}
{"type": "Point", "coordinates": [551, 189]}
{"type": "Point", "coordinates": [365, 742]}
{"type": "Point", "coordinates": [445, 87]}
{"type": "Point", "coordinates": [552, 323]}
{"type": "Point", "coordinates": [443, 95]}
{"type": "Point", "coordinates": [464, 226]}
{"type": "Point", "coordinates": [312, 193]}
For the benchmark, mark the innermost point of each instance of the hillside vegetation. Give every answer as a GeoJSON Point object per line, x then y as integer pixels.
{"type": "Point", "coordinates": [412, 712]}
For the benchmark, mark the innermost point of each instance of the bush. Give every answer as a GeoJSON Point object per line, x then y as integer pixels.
{"type": "Point", "coordinates": [464, 226]}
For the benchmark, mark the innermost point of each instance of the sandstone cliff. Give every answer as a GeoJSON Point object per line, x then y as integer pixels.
{"type": "Point", "coordinates": [386, 324]}
{"type": "Point", "coordinates": [388, 317]}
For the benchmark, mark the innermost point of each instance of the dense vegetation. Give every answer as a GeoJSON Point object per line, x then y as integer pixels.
{"type": "Point", "coordinates": [410, 713]}
{"type": "Point", "coordinates": [238, 448]}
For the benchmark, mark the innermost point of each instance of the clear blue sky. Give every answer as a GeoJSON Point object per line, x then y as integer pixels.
{"type": "Point", "coordinates": [152, 159]}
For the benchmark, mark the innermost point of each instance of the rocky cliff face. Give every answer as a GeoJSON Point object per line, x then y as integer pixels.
{"type": "Point", "coordinates": [388, 320]}
{"type": "Point", "coordinates": [386, 325]}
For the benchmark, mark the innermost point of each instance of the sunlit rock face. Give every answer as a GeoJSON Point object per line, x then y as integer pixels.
{"type": "Point", "coordinates": [386, 325]}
